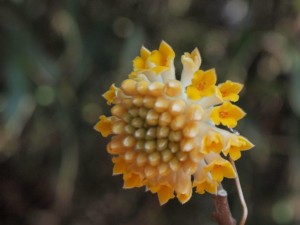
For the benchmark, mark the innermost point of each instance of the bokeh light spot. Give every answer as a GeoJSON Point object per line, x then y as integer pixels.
{"type": "Point", "coordinates": [45, 95]}
{"type": "Point", "coordinates": [123, 27]}
{"type": "Point", "coordinates": [235, 11]}
{"type": "Point", "coordinates": [283, 212]}
{"type": "Point", "coordinates": [90, 112]}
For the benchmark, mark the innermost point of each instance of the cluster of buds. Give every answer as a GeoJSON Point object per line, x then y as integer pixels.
{"type": "Point", "coordinates": [164, 131]}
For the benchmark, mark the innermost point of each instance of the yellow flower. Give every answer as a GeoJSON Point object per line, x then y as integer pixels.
{"type": "Point", "coordinates": [157, 61]}
{"type": "Point", "coordinates": [132, 180]}
{"type": "Point", "coordinates": [203, 181]}
{"type": "Point", "coordinates": [203, 84]}
{"type": "Point", "coordinates": [104, 126]}
{"type": "Point", "coordinates": [110, 94]}
{"type": "Point", "coordinates": [119, 165]}
{"type": "Point", "coordinates": [140, 62]}
{"type": "Point", "coordinates": [208, 185]}
{"type": "Point", "coordinates": [165, 192]}
{"type": "Point", "coordinates": [162, 58]}
{"type": "Point", "coordinates": [162, 138]}
{"type": "Point", "coordinates": [227, 114]}
{"type": "Point", "coordinates": [236, 145]}
{"type": "Point", "coordinates": [230, 90]}
{"type": "Point", "coordinates": [212, 142]}
{"type": "Point", "coordinates": [191, 63]}
{"type": "Point", "coordinates": [220, 168]}
{"type": "Point", "coordinates": [192, 60]}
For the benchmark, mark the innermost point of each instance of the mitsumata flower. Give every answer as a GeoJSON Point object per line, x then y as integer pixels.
{"type": "Point", "coordinates": [164, 131]}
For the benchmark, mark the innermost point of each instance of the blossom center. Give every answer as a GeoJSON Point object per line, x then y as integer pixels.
{"type": "Point", "coordinates": [155, 130]}
{"type": "Point", "coordinates": [201, 85]}
{"type": "Point", "coordinates": [223, 114]}
{"type": "Point", "coordinates": [224, 93]}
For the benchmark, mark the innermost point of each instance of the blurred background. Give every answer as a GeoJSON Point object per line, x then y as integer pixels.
{"type": "Point", "coordinates": [58, 58]}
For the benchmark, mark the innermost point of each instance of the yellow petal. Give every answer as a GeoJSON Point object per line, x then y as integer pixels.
{"type": "Point", "coordinates": [230, 90]}
{"type": "Point", "coordinates": [162, 58]}
{"type": "Point", "coordinates": [191, 63]}
{"type": "Point", "coordinates": [229, 122]}
{"type": "Point", "coordinates": [211, 187]}
{"type": "Point", "coordinates": [208, 91]}
{"type": "Point", "coordinates": [195, 56]}
{"type": "Point", "coordinates": [200, 188]}
{"type": "Point", "coordinates": [235, 154]}
{"type": "Point", "coordinates": [245, 143]}
{"type": "Point", "coordinates": [228, 171]}
{"type": "Point", "coordinates": [207, 185]}
{"type": "Point", "coordinates": [132, 75]}
{"type": "Point", "coordinates": [204, 82]}
{"type": "Point", "coordinates": [132, 180]}
{"type": "Point", "coordinates": [227, 114]}
{"type": "Point", "coordinates": [145, 53]}
{"type": "Point", "coordinates": [159, 69]}
{"type": "Point", "coordinates": [191, 60]}
{"type": "Point", "coordinates": [183, 183]}
{"type": "Point", "coordinates": [212, 142]}
{"type": "Point", "coordinates": [204, 79]}
{"type": "Point", "coordinates": [167, 51]}
{"type": "Point", "coordinates": [183, 198]}
{"type": "Point", "coordinates": [220, 168]}
{"type": "Point", "coordinates": [104, 126]}
{"type": "Point", "coordinates": [193, 93]}
{"type": "Point", "coordinates": [139, 63]}
{"type": "Point", "coordinates": [165, 193]}
{"type": "Point", "coordinates": [217, 173]}
{"type": "Point", "coordinates": [235, 146]}
{"type": "Point", "coordinates": [157, 58]}
{"type": "Point", "coordinates": [210, 77]}
{"type": "Point", "coordinates": [119, 165]}
{"type": "Point", "coordinates": [110, 94]}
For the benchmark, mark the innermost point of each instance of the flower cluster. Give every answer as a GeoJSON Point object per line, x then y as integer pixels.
{"type": "Point", "coordinates": [164, 131]}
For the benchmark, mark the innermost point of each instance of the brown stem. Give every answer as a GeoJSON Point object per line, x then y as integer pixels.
{"type": "Point", "coordinates": [222, 212]}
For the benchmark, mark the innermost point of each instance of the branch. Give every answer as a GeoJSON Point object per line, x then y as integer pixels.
{"type": "Point", "coordinates": [222, 212]}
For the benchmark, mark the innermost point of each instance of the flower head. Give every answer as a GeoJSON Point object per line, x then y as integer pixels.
{"type": "Point", "coordinates": [164, 131]}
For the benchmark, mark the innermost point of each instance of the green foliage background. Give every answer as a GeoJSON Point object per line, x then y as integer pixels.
{"type": "Point", "coordinates": [58, 57]}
